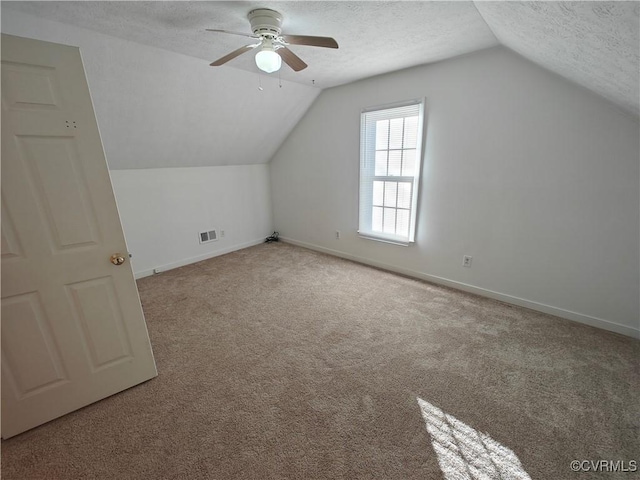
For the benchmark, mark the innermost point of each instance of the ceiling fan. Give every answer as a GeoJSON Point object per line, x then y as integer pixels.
{"type": "Point", "coordinates": [272, 45]}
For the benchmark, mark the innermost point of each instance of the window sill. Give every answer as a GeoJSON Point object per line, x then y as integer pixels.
{"type": "Point", "coordinates": [392, 241]}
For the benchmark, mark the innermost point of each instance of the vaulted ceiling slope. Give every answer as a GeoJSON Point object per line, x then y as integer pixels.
{"type": "Point", "coordinates": [156, 108]}
{"type": "Point", "coordinates": [595, 44]}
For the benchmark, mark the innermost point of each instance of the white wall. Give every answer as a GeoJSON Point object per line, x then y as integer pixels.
{"type": "Point", "coordinates": [535, 177]}
{"type": "Point", "coordinates": [157, 108]}
{"type": "Point", "coordinates": [163, 209]}
{"type": "Point", "coordinates": [160, 109]}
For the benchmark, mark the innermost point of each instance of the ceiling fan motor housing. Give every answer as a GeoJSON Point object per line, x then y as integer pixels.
{"type": "Point", "coordinates": [265, 22]}
{"type": "Point", "coordinates": [271, 45]}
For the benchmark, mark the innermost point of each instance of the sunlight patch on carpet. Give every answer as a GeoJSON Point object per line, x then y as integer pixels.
{"type": "Point", "coordinates": [466, 454]}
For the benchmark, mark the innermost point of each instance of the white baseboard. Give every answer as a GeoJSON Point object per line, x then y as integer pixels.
{"type": "Point", "coordinates": [190, 260]}
{"type": "Point", "coordinates": [540, 307]}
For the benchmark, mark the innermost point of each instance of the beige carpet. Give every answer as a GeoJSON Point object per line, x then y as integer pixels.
{"type": "Point", "coordinates": [279, 362]}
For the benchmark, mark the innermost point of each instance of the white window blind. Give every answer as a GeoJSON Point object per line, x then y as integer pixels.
{"type": "Point", "coordinates": [390, 161]}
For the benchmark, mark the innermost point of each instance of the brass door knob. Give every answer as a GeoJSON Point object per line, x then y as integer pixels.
{"type": "Point", "coordinates": [117, 259]}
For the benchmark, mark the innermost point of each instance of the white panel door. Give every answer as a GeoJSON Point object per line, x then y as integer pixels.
{"type": "Point", "coordinates": [73, 331]}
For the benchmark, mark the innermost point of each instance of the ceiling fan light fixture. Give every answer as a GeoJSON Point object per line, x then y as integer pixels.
{"type": "Point", "coordinates": [268, 60]}
{"type": "Point", "coordinates": [272, 46]}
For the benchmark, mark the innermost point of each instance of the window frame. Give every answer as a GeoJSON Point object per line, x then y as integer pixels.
{"type": "Point", "coordinates": [367, 172]}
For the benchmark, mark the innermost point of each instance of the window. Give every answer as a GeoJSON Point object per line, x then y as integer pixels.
{"type": "Point", "coordinates": [390, 159]}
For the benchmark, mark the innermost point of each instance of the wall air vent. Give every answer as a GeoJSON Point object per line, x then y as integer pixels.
{"type": "Point", "coordinates": [208, 236]}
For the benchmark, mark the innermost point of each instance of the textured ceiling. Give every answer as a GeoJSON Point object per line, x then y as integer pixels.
{"type": "Point", "coordinates": [595, 44]}
{"type": "Point", "coordinates": [374, 37]}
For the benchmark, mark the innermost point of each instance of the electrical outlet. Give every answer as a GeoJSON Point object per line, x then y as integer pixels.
{"type": "Point", "coordinates": [337, 234]}
{"type": "Point", "coordinates": [466, 261]}
{"type": "Point", "coordinates": [222, 233]}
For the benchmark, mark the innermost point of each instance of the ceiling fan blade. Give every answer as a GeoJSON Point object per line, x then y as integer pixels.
{"type": "Point", "coordinates": [250, 35]}
{"type": "Point", "coordinates": [291, 59]}
{"type": "Point", "coordinates": [327, 42]}
{"type": "Point", "coordinates": [232, 55]}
